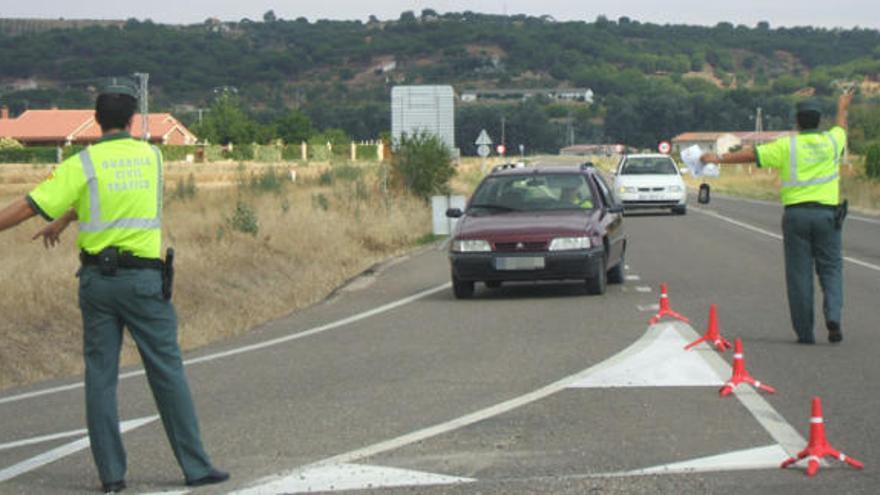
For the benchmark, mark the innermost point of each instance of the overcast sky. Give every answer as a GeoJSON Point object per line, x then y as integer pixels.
{"type": "Point", "coordinates": [839, 13]}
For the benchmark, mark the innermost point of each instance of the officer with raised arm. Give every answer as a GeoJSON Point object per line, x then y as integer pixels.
{"type": "Point", "coordinates": [113, 189]}
{"type": "Point", "coordinates": [809, 168]}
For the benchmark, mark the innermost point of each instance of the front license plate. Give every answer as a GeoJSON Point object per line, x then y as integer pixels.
{"type": "Point", "coordinates": [520, 263]}
{"type": "Point", "coordinates": [650, 197]}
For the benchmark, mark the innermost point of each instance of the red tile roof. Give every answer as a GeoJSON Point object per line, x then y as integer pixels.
{"type": "Point", "coordinates": [79, 126]}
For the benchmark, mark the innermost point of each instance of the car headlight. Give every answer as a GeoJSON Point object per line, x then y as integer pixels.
{"type": "Point", "coordinates": [627, 189]}
{"type": "Point", "coordinates": [569, 243]}
{"type": "Point", "coordinates": [471, 246]}
{"type": "Point", "coordinates": [675, 189]}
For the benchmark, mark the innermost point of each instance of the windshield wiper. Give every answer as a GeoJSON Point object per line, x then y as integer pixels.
{"type": "Point", "coordinates": [493, 207]}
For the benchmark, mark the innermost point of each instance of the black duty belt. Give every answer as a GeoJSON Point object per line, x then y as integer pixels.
{"type": "Point", "coordinates": [124, 260]}
{"type": "Point", "coordinates": [812, 204]}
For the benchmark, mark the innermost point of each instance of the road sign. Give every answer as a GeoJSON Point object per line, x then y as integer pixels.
{"type": "Point", "coordinates": [664, 147]}
{"type": "Point", "coordinates": [500, 149]}
{"type": "Point", "coordinates": [483, 138]}
{"type": "Point", "coordinates": [483, 150]}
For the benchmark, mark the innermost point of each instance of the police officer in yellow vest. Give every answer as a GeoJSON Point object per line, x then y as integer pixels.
{"type": "Point", "coordinates": [809, 165]}
{"type": "Point", "coordinates": [113, 189]}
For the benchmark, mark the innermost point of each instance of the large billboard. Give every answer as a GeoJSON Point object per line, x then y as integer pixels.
{"type": "Point", "coordinates": [423, 108]}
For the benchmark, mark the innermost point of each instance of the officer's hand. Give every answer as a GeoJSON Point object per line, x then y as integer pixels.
{"type": "Point", "coordinates": [51, 234]}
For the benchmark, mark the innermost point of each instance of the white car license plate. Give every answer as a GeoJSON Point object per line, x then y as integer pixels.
{"type": "Point", "coordinates": [520, 263]}
{"type": "Point", "coordinates": [650, 197]}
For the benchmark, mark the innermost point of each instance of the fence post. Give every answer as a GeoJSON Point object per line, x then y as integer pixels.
{"type": "Point", "coordinates": [304, 151]}
{"type": "Point", "coordinates": [354, 153]}
{"type": "Point", "coordinates": [380, 150]}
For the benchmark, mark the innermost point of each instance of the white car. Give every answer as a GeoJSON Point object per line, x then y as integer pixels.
{"type": "Point", "coordinates": [650, 181]}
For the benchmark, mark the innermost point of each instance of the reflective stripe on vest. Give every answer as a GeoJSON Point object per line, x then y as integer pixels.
{"type": "Point", "coordinates": [793, 166]}
{"type": "Point", "coordinates": [95, 224]}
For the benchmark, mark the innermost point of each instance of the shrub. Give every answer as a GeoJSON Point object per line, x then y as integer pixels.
{"type": "Point", "coordinates": [244, 219]}
{"type": "Point", "coordinates": [422, 163]}
{"type": "Point", "coordinates": [872, 161]}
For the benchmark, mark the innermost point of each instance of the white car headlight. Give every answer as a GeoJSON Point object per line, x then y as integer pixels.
{"type": "Point", "coordinates": [471, 246]}
{"type": "Point", "coordinates": [569, 243]}
{"type": "Point", "coordinates": [627, 189]}
{"type": "Point", "coordinates": [675, 189]}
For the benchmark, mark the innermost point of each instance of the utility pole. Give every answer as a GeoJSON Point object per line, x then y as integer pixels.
{"type": "Point", "coordinates": [759, 124]}
{"type": "Point", "coordinates": [143, 95]}
{"type": "Point", "coordinates": [503, 140]}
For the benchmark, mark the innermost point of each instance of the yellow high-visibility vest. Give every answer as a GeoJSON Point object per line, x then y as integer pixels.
{"type": "Point", "coordinates": [115, 186]}
{"type": "Point", "coordinates": [808, 163]}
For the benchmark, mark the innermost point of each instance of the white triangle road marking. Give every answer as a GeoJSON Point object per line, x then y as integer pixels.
{"type": "Point", "coordinates": [41, 439]}
{"type": "Point", "coordinates": [338, 477]}
{"type": "Point", "coordinates": [63, 451]}
{"type": "Point", "coordinates": [770, 456]}
{"type": "Point", "coordinates": [657, 360]}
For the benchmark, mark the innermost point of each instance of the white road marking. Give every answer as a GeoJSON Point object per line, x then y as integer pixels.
{"type": "Point", "coordinates": [874, 221]}
{"type": "Point", "coordinates": [633, 277]}
{"type": "Point", "coordinates": [253, 347]}
{"type": "Point", "coordinates": [778, 428]}
{"type": "Point", "coordinates": [648, 307]}
{"type": "Point", "coordinates": [769, 457]}
{"type": "Point", "coordinates": [776, 236]}
{"type": "Point", "coordinates": [643, 289]}
{"type": "Point", "coordinates": [44, 438]}
{"type": "Point", "coordinates": [656, 360]}
{"type": "Point", "coordinates": [339, 477]}
{"type": "Point", "coordinates": [64, 451]}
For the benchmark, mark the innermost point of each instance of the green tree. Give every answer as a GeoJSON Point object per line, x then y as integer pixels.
{"type": "Point", "coordinates": [293, 127]}
{"type": "Point", "coordinates": [423, 164]}
{"type": "Point", "coordinates": [872, 161]}
{"type": "Point", "coordinates": [226, 122]}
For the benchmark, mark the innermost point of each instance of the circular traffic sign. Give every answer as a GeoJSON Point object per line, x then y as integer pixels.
{"type": "Point", "coordinates": [500, 149]}
{"type": "Point", "coordinates": [483, 150]}
{"type": "Point", "coordinates": [664, 147]}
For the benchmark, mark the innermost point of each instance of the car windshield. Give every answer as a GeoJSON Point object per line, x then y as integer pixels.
{"type": "Point", "coordinates": [648, 166]}
{"type": "Point", "coordinates": [507, 193]}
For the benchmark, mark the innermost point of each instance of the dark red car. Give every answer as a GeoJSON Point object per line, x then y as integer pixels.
{"type": "Point", "coordinates": [538, 223]}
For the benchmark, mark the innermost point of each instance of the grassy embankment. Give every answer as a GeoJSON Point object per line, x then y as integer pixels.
{"type": "Point", "coordinates": [311, 236]}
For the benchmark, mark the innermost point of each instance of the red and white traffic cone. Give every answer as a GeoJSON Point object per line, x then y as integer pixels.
{"type": "Point", "coordinates": [665, 310]}
{"type": "Point", "coordinates": [818, 446]}
{"type": "Point", "coordinates": [740, 374]}
{"type": "Point", "coordinates": [712, 335]}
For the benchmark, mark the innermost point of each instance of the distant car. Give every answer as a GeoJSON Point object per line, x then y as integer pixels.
{"type": "Point", "coordinates": [650, 181]}
{"type": "Point", "coordinates": [538, 223]}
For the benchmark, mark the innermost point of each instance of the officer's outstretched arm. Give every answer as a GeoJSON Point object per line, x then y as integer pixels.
{"type": "Point", "coordinates": [746, 155]}
{"type": "Point", "coordinates": [51, 233]}
{"type": "Point", "coordinates": [16, 212]}
{"type": "Point", "coordinates": [843, 107]}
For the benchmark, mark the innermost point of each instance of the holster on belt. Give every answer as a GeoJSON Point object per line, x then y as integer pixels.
{"type": "Point", "coordinates": [108, 261]}
{"type": "Point", "coordinates": [168, 274]}
{"type": "Point", "coordinates": [840, 214]}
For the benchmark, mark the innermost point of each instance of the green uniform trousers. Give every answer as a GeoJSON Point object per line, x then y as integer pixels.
{"type": "Point", "coordinates": [811, 240]}
{"type": "Point", "coordinates": [133, 298]}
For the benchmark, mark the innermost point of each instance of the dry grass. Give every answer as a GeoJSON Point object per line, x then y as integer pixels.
{"type": "Point", "coordinates": [311, 239]}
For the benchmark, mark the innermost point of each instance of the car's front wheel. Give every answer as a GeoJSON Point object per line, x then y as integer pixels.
{"type": "Point", "coordinates": [596, 285]}
{"type": "Point", "coordinates": [615, 275]}
{"type": "Point", "coordinates": [680, 210]}
{"type": "Point", "coordinates": [462, 289]}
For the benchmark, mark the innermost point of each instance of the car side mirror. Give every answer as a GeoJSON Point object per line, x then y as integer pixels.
{"type": "Point", "coordinates": [454, 213]}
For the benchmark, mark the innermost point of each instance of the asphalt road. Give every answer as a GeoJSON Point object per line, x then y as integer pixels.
{"type": "Point", "coordinates": [531, 388]}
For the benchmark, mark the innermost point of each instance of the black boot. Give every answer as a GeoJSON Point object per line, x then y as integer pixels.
{"type": "Point", "coordinates": [835, 334]}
